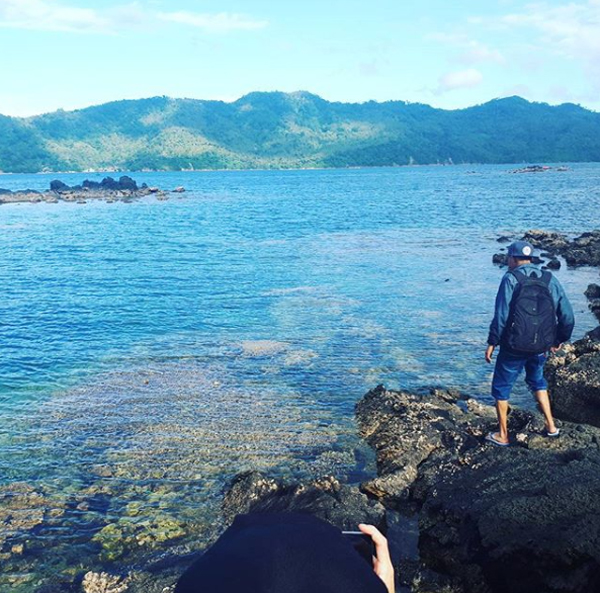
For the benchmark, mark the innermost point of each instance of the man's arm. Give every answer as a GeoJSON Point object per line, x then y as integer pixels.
{"type": "Point", "coordinates": [564, 315]}
{"type": "Point", "coordinates": [501, 309]}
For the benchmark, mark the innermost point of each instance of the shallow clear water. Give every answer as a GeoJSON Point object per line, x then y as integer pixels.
{"type": "Point", "coordinates": [150, 351]}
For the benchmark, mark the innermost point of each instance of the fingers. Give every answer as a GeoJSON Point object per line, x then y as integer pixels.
{"type": "Point", "coordinates": [381, 543]}
{"type": "Point", "coordinates": [383, 563]}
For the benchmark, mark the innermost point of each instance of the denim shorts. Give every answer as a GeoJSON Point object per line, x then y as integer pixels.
{"type": "Point", "coordinates": [508, 367]}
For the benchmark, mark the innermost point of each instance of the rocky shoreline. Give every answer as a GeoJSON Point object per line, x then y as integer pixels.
{"type": "Point", "coordinates": [521, 519]}
{"type": "Point", "coordinates": [462, 516]}
{"type": "Point", "coordinates": [125, 189]}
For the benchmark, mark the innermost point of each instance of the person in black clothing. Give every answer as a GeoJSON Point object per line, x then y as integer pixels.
{"type": "Point", "coordinates": [288, 553]}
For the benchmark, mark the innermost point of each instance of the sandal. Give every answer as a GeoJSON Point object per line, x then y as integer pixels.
{"type": "Point", "coordinates": [491, 438]}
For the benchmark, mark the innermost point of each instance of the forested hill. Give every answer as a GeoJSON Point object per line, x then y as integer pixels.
{"type": "Point", "coordinates": [272, 130]}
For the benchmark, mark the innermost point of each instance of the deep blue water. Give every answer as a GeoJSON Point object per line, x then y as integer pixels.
{"type": "Point", "coordinates": [234, 326]}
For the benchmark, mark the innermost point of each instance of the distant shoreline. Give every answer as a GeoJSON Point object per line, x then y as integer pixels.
{"type": "Point", "coordinates": [522, 164]}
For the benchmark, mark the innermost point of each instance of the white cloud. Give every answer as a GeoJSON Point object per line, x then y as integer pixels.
{"type": "Point", "coordinates": [222, 22]}
{"type": "Point", "coordinates": [571, 30]}
{"type": "Point", "coordinates": [460, 79]}
{"type": "Point", "coordinates": [49, 15]}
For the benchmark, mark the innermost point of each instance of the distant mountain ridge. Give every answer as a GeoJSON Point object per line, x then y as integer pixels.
{"type": "Point", "coordinates": [293, 130]}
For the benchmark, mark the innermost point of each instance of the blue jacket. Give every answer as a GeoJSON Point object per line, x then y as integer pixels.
{"type": "Point", "coordinates": [564, 311]}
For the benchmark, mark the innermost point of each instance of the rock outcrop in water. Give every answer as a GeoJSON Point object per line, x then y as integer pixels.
{"type": "Point", "coordinates": [574, 380]}
{"type": "Point", "coordinates": [124, 189]}
{"type": "Point", "coordinates": [520, 519]}
{"type": "Point", "coordinates": [580, 251]}
{"type": "Point", "coordinates": [340, 504]}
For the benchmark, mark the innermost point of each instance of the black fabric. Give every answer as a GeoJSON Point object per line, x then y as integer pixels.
{"type": "Point", "coordinates": [280, 553]}
{"type": "Point", "coordinates": [531, 326]}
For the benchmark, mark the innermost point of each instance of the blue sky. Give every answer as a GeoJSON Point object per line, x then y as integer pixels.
{"type": "Point", "coordinates": [74, 53]}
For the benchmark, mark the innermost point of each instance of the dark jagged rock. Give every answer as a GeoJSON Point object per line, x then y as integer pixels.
{"type": "Point", "coordinates": [581, 251]}
{"type": "Point", "coordinates": [552, 242]}
{"type": "Point", "coordinates": [110, 183]}
{"type": "Point", "coordinates": [340, 504]}
{"type": "Point", "coordinates": [574, 380]}
{"type": "Point", "coordinates": [593, 295]}
{"type": "Point", "coordinates": [90, 184]}
{"type": "Point", "coordinates": [57, 185]}
{"type": "Point", "coordinates": [500, 259]}
{"type": "Point", "coordinates": [584, 250]}
{"type": "Point", "coordinates": [127, 183]}
{"type": "Point", "coordinates": [125, 189]}
{"type": "Point", "coordinates": [520, 519]}
{"type": "Point", "coordinates": [532, 169]}
{"type": "Point", "coordinates": [553, 264]}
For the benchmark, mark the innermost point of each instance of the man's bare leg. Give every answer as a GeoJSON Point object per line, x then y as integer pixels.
{"type": "Point", "coordinates": [544, 405]}
{"type": "Point", "coordinates": [502, 413]}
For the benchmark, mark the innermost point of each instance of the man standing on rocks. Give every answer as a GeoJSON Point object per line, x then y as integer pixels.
{"type": "Point", "coordinates": [532, 316]}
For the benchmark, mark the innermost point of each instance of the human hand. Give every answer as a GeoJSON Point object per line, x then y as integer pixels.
{"type": "Point", "coordinates": [553, 349]}
{"type": "Point", "coordinates": [382, 563]}
{"type": "Point", "coordinates": [489, 351]}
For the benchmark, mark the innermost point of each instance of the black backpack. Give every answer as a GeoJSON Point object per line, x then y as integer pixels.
{"type": "Point", "coordinates": [531, 324]}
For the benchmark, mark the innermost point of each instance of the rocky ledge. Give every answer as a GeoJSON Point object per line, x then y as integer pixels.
{"type": "Point", "coordinates": [521, 518]}
{"type": "Point", "coordinates": [124, 189]}
{"type": "Point", "coordinates": [574, 380]}
{"type": "Point", "coordinates": [580, 251]}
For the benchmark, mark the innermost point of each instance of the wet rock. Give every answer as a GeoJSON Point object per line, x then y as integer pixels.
{"type": "Point", "coordinates": [108, 189]}
{"type": "Point", "coordinates": [129, 533]}
{"type": "Point", "coordinates": [58, 186]}
{"type": "Point", "coordinates": [533, 507]}
{"type": "Point", "coordinates": [500, 259]}
{"type": "Point", "coordinates": [574, 380]}
{"type": "Point", "coordinates": [404, 429]}
{"type": "Point", "coordinates": [584, 250]}
{"type": "Point", "coordinates": [340, 504]}
{"type": "Point", "coordinates": [127, 183]}
{"type": "Point", "coordinates": [550, 241]}
{"type": "Point", "coordinates": [553, 264]}
{"type": "Point", "coordinates": [581, 251]}
{"type": "Point", "coordinates": [593, 295]}
{"type": "Point", "coordinates": [179, 190]}
{"type": "Point", "coordinates": [102, 582]}
{"type": "Point", "coordinates": [592, 291]}
{"type": "Point", "coordinates": [531, 169]}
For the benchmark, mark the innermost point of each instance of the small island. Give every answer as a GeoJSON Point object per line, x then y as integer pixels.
{"type": "Point", "coordinates": [109, 190]}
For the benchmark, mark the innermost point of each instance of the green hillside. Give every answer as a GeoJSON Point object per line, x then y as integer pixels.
{"type": "Point", "coordinates": [274, 130]}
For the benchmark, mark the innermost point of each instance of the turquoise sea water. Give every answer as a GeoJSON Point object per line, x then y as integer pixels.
{"type": "Point", "coordinates": [150, 351]}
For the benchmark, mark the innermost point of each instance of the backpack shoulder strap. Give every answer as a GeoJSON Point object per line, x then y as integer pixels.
{"type": "Point", "coordinates": [546, 277]}
{"type": "Point", "coordinates": [520, 276]}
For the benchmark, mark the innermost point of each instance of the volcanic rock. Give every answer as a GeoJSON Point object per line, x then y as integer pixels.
{"type": "Point", "coordinates": [340, 504]}
{"type": "Point", "coordinates": [522, 518]}
{"type": "Point", "coordinates": [574, 380]}
{"type": "Point", "coordinates": [549, 241]}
